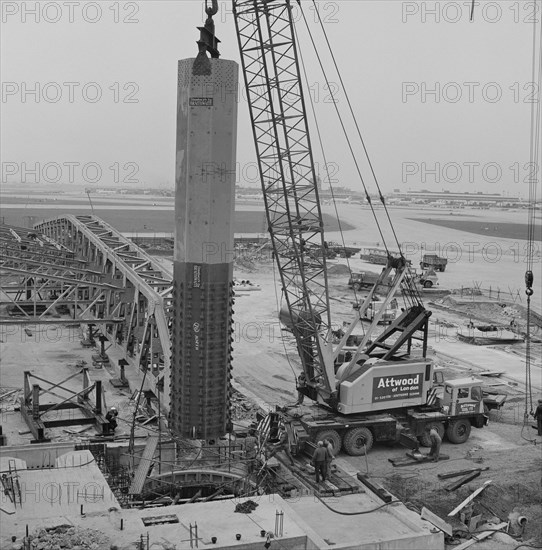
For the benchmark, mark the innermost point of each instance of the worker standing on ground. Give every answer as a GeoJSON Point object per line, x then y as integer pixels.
{"type": "Point", "coordinates": [436, 442]}
{"type": "Point", "coordinates": [111, 417]}
{"type": "Point", "coordinates": [330, 457]}
{"type": "Point", "coordinates": [319, 461]}
{"type": "Point", "coordinates": [283, 444]}
{"type": "Point", "coordinates": [538, 417]}
{"type": "Point", "coordinates": [251, 449]}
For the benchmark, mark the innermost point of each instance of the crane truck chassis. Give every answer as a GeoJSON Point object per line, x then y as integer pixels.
{"type": "Point", "coordinates": [391, 414]}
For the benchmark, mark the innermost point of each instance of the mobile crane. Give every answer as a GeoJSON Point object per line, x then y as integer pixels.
{"type": "Point", "coordinates": [378, 391]}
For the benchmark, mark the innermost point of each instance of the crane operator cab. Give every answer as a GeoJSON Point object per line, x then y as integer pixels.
{"type": "Point", "coordinates": [464, 396]}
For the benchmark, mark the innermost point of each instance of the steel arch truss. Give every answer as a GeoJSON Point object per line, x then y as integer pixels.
{"type": "Point", "coordinates": [88, 269]}
{"type": "Point", "coordinates": [277, 108]}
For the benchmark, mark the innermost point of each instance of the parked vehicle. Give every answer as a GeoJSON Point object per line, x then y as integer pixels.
{"type": "Point", "coordinates": [433, 261]}
{"type": "Point", "coordinates": [366, 279]}
{"type": "Point", "coordinates": [341, 250]}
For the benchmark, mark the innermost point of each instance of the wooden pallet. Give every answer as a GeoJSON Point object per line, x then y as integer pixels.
{"type": "Point", "coordinates": [338, 482]}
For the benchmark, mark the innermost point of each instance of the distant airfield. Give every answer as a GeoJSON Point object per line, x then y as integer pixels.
{"type": "Point", "coordinates": [144, 218]}
{"type": "Point", "coordinates": [484, 227]}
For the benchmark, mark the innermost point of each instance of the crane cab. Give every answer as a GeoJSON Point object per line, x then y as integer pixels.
{"type": "Point", "coordinates": [462, 396]}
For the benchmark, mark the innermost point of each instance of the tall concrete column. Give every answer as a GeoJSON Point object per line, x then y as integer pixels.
{"type": "Point", "coordinates": [204, 242]}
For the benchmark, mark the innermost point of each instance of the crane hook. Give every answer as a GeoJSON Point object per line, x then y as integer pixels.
{"type": "Point", "coordinates": [213, 10]}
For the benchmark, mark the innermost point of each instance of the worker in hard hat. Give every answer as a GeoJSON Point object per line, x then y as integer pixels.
{"type": "Point", "coordinates": [111, 417]}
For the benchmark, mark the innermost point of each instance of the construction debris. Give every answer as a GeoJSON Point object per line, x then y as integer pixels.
{"type": "Point", "coordinates": [481, 536]}
{"type": "Point", "coordinates": [458, 473]}
{"type": "Point", "coordinates": [462, 481]}
{"type": "Point", "coordinates": [246, 507]}
{"type": "Point", "coordinates": [469, 499]}
{"type": "Point", "coordinates": [436, 521]}
{"type": "Point", "coordinates": [241, 407]}
{"type": "Point", "coordinates": [68, 537]}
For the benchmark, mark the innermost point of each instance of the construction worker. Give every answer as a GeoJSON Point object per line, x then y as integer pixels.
{"type": "Point", "coordinates": [436, 442]}
{"type": "Point", "coordinates": [301, 383]}
{"type": "Point", "coordinates": [111, 417]}
{"type": "Point", "coordinates": [330, 457]}
{"type": "Point", "coordinates": [319, 461]}
{"type": "Point", "coordinates": [251, 450]}
{"type": "Point", "coordinates": [283, 444]}
{"type": "Point", "coordinates": [538, 417]}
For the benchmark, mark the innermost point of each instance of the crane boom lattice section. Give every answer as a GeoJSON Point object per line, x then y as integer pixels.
{"type": "Point", "coordinates": [277, 108]}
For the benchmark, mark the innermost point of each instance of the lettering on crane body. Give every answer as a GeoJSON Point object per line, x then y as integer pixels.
{"type": "Point", "coordinates": [386, 388]}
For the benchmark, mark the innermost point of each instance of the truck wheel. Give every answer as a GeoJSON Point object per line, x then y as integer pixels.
{"type": "Point", "coordinates": [458, 431]}
{"type": "Point", "coordinates": [424, 439]}
{"type": "Point", "coordinates": [427, 284]}
{"type": "Point", "coordinates": [357, 441]}
{"type": "Point", "coordinates": [357, 286]}
{"type": "Point", "coordinates": [333, 436]}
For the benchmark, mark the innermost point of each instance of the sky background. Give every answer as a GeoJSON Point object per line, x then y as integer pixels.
{"type": "Point", "coordinates": [389, 54]}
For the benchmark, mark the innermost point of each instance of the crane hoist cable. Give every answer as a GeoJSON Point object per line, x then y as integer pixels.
{"type": "Point", "coordinates": [534, 157]}
{"type": "Point", "coordinates": [347, 137]}
{"type": "Point", "coordinates": [381, 197]}
{"type": "Point", "coordinates": [326, 165]}
{"type": "Point", "coordinates": [411, 287]}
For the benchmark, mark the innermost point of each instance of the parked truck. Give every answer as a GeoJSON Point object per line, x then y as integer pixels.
{"type": "Point", "coordinates": [433, 261]}
{"type": "Point", "coordinates": [341, 250]}
{"type": "Point", "coordinates": [366, 279]}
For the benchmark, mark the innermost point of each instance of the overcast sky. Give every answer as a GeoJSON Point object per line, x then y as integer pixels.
{"type": "Point", "coordinates": [474, 130]}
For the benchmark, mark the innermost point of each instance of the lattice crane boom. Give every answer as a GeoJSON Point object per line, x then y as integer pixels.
{"type": "Point", "coordinates": [272, 75]}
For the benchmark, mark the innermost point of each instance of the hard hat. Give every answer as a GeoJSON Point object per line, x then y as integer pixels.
{"type": "Point", "coordinates": [113, 408]}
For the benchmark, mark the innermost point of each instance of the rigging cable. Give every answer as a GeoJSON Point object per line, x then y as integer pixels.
{"type": "Point", "coordinates": [381, 197]}
{"type": "Point", "coordinates": [413, 291]}
{"type": "Point", "coordinates": [531, 226]}
{"type": "Point", "coordinates": [326, 165]}
{"type": "Point", "coordinates": [347, 137]}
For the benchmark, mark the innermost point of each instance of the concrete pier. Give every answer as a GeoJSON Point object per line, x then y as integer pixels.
{"type": "Point", "coordinates": [203, 256]}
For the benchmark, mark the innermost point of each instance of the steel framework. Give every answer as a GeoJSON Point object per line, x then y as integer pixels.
{"type": "Point", "coordinates": [78, 269]}
{"type": "Point", "coordinates": [271, 69]}
{"type": "Point", "coordinates": [34, 412]}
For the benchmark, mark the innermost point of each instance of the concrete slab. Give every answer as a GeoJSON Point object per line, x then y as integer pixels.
{"type": "Point", "coordinates": [362, 523]}
{"type": "Point", "coordinates": [55, 496]}
{"type": "Point", "coordinates": [52, 352]}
